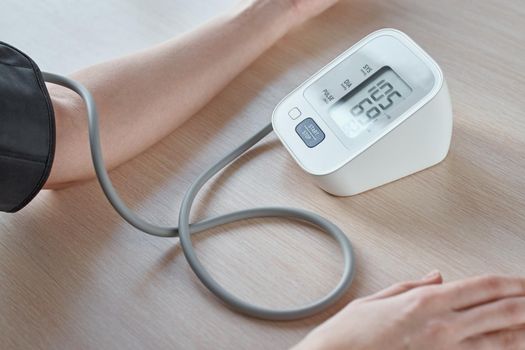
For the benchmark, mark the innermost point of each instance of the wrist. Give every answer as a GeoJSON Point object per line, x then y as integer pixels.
{"type": "Point", "coordinates": [272, 18]}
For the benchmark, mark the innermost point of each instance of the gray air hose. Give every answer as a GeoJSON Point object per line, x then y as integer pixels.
{"type": "Point", "coordinates": [184, 229]}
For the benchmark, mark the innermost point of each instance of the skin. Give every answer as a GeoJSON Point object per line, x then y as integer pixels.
{"type": "Point", "coordinates": [473, 314]}
{"type": "Point", "coordinates": [134, 115]}
{"type": "Point", "coordinates": [478, 313]}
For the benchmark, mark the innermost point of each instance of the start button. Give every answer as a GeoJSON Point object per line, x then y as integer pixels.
{"type": "Point", "coordinates": [310, 132]}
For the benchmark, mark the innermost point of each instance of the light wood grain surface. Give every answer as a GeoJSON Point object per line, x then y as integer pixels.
{"type": "Point", "coordinates": [73, 275]}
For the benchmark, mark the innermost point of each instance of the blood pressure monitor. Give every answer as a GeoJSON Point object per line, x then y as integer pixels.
{"type": "Point", "coordinates": [378, 112]}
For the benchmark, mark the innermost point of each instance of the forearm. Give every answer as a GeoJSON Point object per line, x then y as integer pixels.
{"type": "Point", "coordinates": [143, 97]}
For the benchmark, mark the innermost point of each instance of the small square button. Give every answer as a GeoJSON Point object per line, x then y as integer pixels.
{"type": "Point", "coordinates": [294, 113]}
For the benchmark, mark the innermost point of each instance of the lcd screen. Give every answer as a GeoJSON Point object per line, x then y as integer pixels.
{"type": "Point", "coordinates": [371, 101]}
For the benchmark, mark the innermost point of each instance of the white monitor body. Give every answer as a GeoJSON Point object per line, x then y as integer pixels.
{"type": "Point", "coordinates": [378, 112]}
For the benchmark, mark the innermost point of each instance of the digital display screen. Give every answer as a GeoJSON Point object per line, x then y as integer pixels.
{"type": "Point", "coordinates": [368, 105]}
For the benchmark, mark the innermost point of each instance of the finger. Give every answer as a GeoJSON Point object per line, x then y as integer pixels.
{"type": "Point", "coordinates": [494, 316]}
{"type": "Point", "coordinates": [508, 339]}
{"type": "Point", "coordinates": [479, 290]}
{"type": "Point", "coordinates": [432, 278]}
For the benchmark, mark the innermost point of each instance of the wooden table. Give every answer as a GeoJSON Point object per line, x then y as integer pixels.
{"type": "Point", "coordinates": [73, 275]}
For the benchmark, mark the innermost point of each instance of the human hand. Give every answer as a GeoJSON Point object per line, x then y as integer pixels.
{"type": "Point", "coordinates": [477, 313]}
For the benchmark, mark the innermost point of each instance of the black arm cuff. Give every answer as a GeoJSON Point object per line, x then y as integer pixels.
{"type": "Point", "coordinates": [27, 129]}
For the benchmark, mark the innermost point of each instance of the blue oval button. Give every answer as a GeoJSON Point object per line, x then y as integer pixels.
{"type": "Point", "coordinates": [310, 132]}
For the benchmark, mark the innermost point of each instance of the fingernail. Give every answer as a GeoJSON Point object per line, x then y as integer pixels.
{"type": "Point", "coordinates": [432, 274]}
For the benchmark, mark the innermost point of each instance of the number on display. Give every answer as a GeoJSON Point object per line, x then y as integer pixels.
{"type": "Point", "coordinates": [382, 95]}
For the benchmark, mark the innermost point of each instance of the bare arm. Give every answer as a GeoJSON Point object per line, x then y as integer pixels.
{"type": "Point", "coordinates": [145, 96]}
